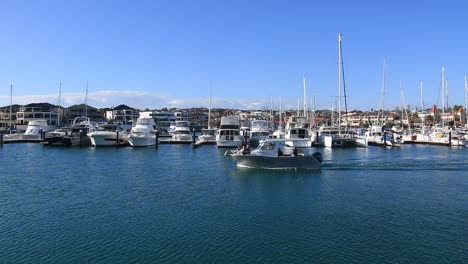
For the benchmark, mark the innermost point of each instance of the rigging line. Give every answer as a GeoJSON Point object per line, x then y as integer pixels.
{"type": "Point", "coordinates": [344, 85]}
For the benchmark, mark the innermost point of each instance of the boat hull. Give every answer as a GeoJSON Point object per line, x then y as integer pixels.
{"type": "Point", "coordinates": [142, 141]}
{"type": "Point", "coordinates": [107, 140]}
{"type": "Point", "coordinates": [264, 162]}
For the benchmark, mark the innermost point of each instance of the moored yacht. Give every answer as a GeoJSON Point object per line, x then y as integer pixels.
{"type": "Point", "coordinates": [143, 133]}
{"type": "Point", "coordinates": [35, 127]}
{"type": "Point", "coordinates": [181, 132]}
{"type": "Point", "coordinates": [229, 132]}
{"type": "Point", "coordinates": [108, 135]}
{"type": "Point", "coordinates": [208, 135]}
{"type": "Point", "coordinates": [76, 135]}
{"type": "Point", "coordinates": [298, 128]}
{"type": "Point", "coordinates": [259, 130]}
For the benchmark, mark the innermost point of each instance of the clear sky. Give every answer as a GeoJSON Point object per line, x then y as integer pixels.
{"type": "Point", "coordinates": [166, 53]}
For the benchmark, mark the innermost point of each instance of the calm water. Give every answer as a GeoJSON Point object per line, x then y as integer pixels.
{"type": "Point", "coordinates": [177, 204]}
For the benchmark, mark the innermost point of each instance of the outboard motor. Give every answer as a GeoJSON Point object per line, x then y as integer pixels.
{"type": "Point", "coordinates": [318, 156]}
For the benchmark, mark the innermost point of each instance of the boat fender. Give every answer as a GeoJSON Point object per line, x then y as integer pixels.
{"type": "Point", "coordinates": [318, 156]}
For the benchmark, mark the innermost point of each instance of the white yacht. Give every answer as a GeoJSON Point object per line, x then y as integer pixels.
{"type": "Point", "coordinates": [208, 135]}
{"type": "Point", "coordinates": [35, 127]}
{"type": "Point", "coordinates": [229, 133]}
{"type": "Point", "coordinates": [72, 136]}
{"type": "Point", "coordinates": [259, 130]}
{"type": "Point", "coordinates": [182, 132]}
{"type": "Point", "coordinates": [335, 137]}
{"type": "Point", "coordinates": [108, 135]}
{"type": "Point", "coordinates": [143, 133]}
{"type": "Point", "coordinates": [298, 128]}
{"type": "Point", "coordinates": [376, 135]}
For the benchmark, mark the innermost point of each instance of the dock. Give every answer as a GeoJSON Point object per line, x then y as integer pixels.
{"type": "Point", "coordinates": [203, 142]}
{"type": "Point", "coordinates": [170, 141]}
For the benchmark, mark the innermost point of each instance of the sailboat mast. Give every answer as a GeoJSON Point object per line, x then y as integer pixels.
{"type": "Point", "coordinates": [339, 82]}
{"type": "Point", "coordinates": [422, 98]}
{"type": "Point", "coordinates": [382, 95]}
{"type": "Point", "coordinates": [11, 103]}
{"type": "Point", "coordinates": [404, 108]}
{"type": "Point", "coordinates": [209, 107]}
{"type": "Point", "coordinates": [280, 114]}
{"type": "Point", "coordinates": [305, 96]}
{"type": "Point", "coordinates": [443, 90]}
{"type": "Point", "coordinates": [86, 100]}
{"type": "Point", "coordinates": [58, 112]}
{"type": "Point", "coordinates": [466, 102]}
{"type": "Point", "coordinates": [297, 107]}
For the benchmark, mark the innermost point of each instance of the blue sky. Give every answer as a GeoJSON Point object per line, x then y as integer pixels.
{"type": "Point", "coordinates": [166, 53]}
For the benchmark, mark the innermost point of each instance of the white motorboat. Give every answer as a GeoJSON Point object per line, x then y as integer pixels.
{"type": "Point", "coordinates": [376, 135]}
{"type": "Point", "coordinates": [181, 132]}
{"type": "Point", "coordinates": [35, 127]}
{"type": "Point", "coordinates": [297, 127]}
{"type": "Point", "coordinates": [208, 135]}
{"type": "Point", "coordinates": [277, 153]}
{"type": "Point", "coordinates": [72, 136]}
{"type": "Point", "coordinates": [143, 134]}
{"type": "Point", "coordinates": [229, 133]}
{"type": "Point", "coordinates": [108, 135]}
{"type": "Point", "coordinates": [259, 130]}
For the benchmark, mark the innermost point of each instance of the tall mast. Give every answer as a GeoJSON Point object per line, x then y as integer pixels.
{"type": "Point", "coordinates": [339, 82]}
{"type": "Point", "coordinates": [404, 108]}
{"type": "Point", "coordinates": [446, 94]}
{"type": "Point", "coordinates": [86, 100]}
{"type": "Point", "coordinates": [305, 95]}
{"type": "Point", "coordinates": [443, 90]}
{"type": "Point", "coordinates": [58, 112]}
{"type": "Point", "coordinates": [209, 107]}
{"type": "Point", "coordinates": [297, 107]}
{"type": "Point", "coordinates": [422, 98]}
{"type": "Point", "coordinates": [11, 103]}
{"type": "Point", "coordinates": [280, 114]}
{"type": "Point", "coordinates": [466, 102]}
{"type": "Point", "coordinates": [382, 95]}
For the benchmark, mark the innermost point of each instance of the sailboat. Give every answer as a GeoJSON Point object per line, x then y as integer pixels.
{"type": "Point", "coordinates": [208, 135]}
{"type": "Point", "coordinates": [338, 136]}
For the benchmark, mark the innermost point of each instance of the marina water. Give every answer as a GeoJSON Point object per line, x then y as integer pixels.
{"type": "Point", "coordinates": [178, 204]}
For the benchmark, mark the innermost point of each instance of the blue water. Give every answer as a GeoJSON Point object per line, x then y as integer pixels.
{"type": "Point", "coordinates": [176, 204]}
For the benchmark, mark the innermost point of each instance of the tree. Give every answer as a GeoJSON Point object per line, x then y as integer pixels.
{"type": "Point", "coordinates": [429, 120]}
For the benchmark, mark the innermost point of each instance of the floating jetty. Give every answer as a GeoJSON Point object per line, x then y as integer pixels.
{"type": "Point", "coordinates": [20, 140]}
{"type": "Point", "coordinates": [203, 142]}
{"type": "Point", "coordinates": [170, 141]}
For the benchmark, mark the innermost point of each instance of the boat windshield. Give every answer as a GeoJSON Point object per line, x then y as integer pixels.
{"type": "Point", "coordinates": [268, 146]}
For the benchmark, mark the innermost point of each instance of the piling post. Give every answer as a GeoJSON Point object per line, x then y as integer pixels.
{"type": "Point", "coordinates": [117, 139]}
{"type": "Point", "coordinates": [1, 140]}
{"type": "Point", "coordinates": [384, 138]}
{"type": "Point", "coordinates": [193, 136]}
{"type": "Point", "coordinates": [81, 137]}
{"type": "Point", "coordinates": [157, 139]}
{"type": "Point", "coordinates": [450, 138]}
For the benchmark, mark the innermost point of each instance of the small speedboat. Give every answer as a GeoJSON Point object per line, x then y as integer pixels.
{"type": "Point", "coordinates": [277, 153]}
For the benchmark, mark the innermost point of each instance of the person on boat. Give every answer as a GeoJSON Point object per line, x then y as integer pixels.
{"type": "Point", "coordinates": [280, 152]}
